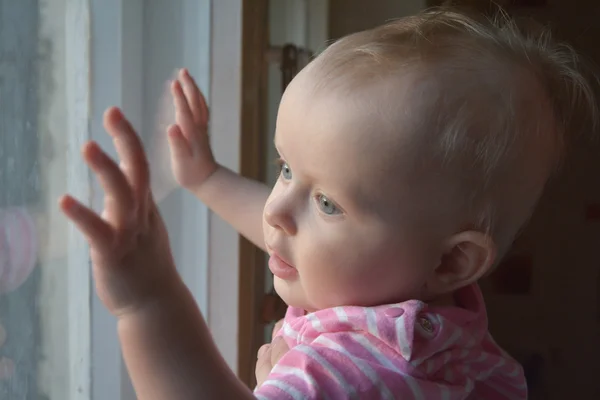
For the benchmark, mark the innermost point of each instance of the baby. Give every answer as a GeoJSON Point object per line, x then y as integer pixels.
{"type": "Point", "coordinates": [410, 157]}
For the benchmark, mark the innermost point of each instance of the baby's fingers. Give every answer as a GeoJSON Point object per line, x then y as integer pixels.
{"type": "Point", "coordinates": [183, 116]}
{"type": "Point", "coordinates": [263, 365]}
{"type": "Point", "coordinates": [131, 152]}
{"type": "Point", "coordinates": [278, 349]}
{"type": "Point", "coordinates": [196, 100]}
{"type": "Point", "coordinates": [276, 328]}
{"type": "Point", "coordinates": [180, 150]}
{"type": "Point", "coordinates": [98, 233]}
{"type": "Point", "coordinates": [119, 202]}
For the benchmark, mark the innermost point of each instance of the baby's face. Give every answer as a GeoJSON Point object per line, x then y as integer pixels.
{"type": "Point", "coordinates": [339, 223]}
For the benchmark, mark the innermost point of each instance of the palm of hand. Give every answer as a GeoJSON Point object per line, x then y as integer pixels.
{"type": "Point", "coordinates": [127, 277]}
{"type": "Point", "coordinates": [179, 152]}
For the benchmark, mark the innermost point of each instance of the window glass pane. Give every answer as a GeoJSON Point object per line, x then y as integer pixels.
{"type": "Point", "coordinates": [34, 296]}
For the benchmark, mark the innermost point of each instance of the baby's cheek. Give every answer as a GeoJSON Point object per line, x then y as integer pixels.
{"type": "Point", "coordinates": [326, 280]}
{"type": "Point", "coordinates": [356, 274]}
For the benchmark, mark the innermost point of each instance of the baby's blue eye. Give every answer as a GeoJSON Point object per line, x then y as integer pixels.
{"type": "Point", "coordinates": [327, 205]}
{"type": "Point", "coordinates": [285, 171]}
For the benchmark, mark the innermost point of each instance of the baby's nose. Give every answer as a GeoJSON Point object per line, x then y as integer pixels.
{"type": "Point", "coordinates": [280, 216]}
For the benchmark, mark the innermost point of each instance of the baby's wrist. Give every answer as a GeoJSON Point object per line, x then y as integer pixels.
{"type": "Point", "coordinates": [163, 296]}
{"type": "Point", "coordinates": [199, 188]}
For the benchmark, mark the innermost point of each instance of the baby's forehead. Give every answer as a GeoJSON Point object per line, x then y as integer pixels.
{"type": "Point", "coordinates": [396, 123]}
{"type": "Point", "coordinates": [346, 141]}
{"type": "Point", "coordinates": [373, 115]}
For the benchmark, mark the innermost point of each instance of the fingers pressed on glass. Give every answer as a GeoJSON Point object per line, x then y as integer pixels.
{"type": "Point", "coordinates": [196, 100]}
{"type": "Point", "coordinates": [118, 196]}
{"type": "Point", "coordinates": [97, 231]}
{"type": "Point", "coordinates": [180, 99]}
{"type": "Point", "coordinates": [177, 143]}
{"type": "Point", "coordinates": [131, 152]}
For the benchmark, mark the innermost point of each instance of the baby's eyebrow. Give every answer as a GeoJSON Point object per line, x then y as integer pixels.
{"type": "Point", "coordinates": [277, 147]}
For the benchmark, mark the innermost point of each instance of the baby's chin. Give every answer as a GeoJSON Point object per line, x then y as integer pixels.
{"type": "Point", "coordinates": [292, 294]}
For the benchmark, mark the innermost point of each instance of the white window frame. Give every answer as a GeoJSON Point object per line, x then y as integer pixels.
{"type": "Point", "coordinates": [226, 104]}
{"type": "Point", "coordinates": [105, 67]}
{"type": "Point", "coordinates": [77, 53]}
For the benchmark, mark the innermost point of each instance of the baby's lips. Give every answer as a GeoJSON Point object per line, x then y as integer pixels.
{"type": "Point", "coordinates": [18, 248]}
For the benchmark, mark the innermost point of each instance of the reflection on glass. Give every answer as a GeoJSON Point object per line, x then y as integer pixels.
{"type": "Point", "coordinates": [33, 289]}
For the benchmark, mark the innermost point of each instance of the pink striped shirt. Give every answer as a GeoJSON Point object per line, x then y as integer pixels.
{"type": "Point", "coordinates": [400, 351]}
{"type": "Point", "coordinates": [18, 248]}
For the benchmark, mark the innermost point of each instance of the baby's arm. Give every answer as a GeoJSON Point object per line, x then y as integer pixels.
{"type": "Point", "coordinates": [238, 200]}
{"type": "Point", "coordinates": [170, 354]}
{"type": "Point", "coordinates": [166, 344]}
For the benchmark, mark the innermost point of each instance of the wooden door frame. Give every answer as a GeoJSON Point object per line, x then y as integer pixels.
{"type": "Point", "coordinates": [255, 42]}
{"type": "Point", "coordinates": [254, 125]}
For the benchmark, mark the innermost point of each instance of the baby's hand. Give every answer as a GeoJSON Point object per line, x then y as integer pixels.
{"type": "Point", "coordinates": [268, 356]}
{"type": "Point", "coordinates": [132, 262]}
{"type": "Point", "coordinates": [192, 159]}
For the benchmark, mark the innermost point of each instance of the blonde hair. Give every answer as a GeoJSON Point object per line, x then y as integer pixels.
{"type": "Point", "coordinates": [498, 91]}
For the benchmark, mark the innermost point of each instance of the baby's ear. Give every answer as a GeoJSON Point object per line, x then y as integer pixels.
{"type": "Point", "coordinates": [467, 257]}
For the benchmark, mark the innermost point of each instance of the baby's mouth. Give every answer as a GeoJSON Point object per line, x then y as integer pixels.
{"type": "Point", "coordinates": [280, 267]}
